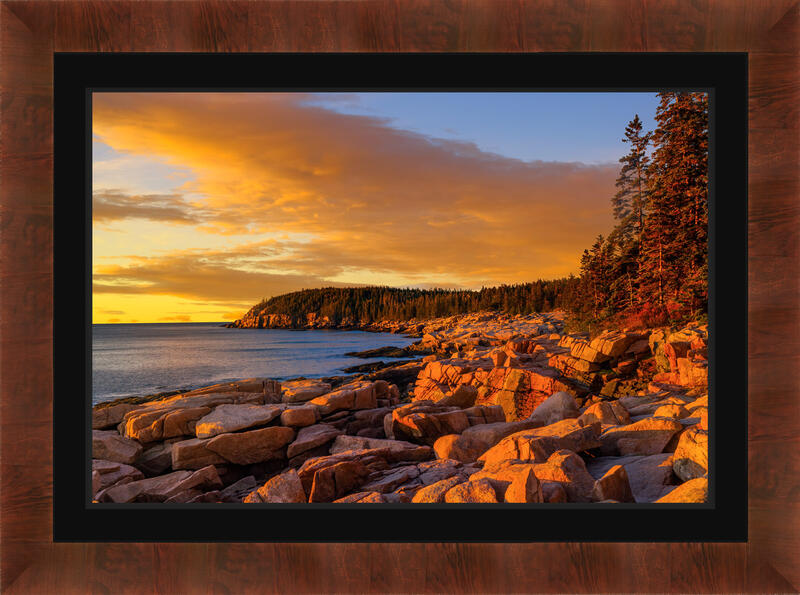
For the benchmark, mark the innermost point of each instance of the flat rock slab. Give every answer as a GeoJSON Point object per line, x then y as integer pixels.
{"type": "Point", "coordinates": [644, 437]}
{"type": "Point", "coordinates": [159, 489]}
{"type": "Point", "coordinates": [110, 416]}
{"type": "Point", "coordinates": [229, 418]}
{"type": "Point", "coordinates": [343, 443]}
{"type": "Point", "coordinates": [354, 396]}
{"type": "Point", "coordinates": [110, 473]}
{"type": "Point", "coordinates": [110, 446]}
{"type": "Point", "coordinates": [255, 446]}
{"type": "Point", "coordinates": [311, 437]}
{"type": "Point", "coordinates": [299, 417]}
{"type": "Point", "coordinates": [193, 454]}
{"type": "Point", "coordinates": [304, 390]}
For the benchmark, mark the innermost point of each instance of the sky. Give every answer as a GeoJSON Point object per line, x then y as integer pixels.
{"type": "Point", "coordinates": [205, 203]}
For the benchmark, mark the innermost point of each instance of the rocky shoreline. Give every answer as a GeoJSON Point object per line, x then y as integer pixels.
{"type": "Point", "coordinates": [502, 409]}
{"type": "Point", "coordinates": [313, 321]}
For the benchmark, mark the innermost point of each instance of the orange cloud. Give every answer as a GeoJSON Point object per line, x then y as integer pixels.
{"type": "Point", "coordinates": [367, 199]}
{"type": "Point", "coordinates": [176, 318]}
{"type": "Point", "coordinates": [197, 275]}
{"type": "Point", "coordinates": [111, 205]}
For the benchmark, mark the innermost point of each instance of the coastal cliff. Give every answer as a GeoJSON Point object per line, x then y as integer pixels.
{"type": "Point", "coordinates": [506, 408]}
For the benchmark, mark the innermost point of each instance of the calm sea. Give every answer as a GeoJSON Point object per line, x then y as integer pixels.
{"type": "Point", "coordinates": [141, 359]}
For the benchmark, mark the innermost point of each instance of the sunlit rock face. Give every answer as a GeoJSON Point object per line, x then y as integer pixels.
{"type": "Point", "coordinates": [506, 409]}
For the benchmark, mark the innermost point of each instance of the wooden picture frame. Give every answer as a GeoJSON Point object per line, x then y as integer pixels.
{"type": "Point", "coordinates": [30, 32]}
{"type": "Point", "coordinates": [77, 80]}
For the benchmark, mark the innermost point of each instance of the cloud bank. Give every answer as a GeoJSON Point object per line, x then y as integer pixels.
{"type": "Point", "coordinates": [351, 198]}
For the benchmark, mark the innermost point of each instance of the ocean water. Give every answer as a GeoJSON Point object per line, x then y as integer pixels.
{"type": "Point", "coordinates": [142, 359]}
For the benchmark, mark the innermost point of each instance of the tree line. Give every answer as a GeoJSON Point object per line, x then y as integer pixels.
{"type": "Point", "coordinates": [652, 265]}
{"type": "Point", "coordinates": [390, 303]}
{"type": "Point", "coordinates": [654, 262]}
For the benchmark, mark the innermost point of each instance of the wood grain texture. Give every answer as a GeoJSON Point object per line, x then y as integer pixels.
{"type": "Point", "coordinates": [31, 31]}
{"type": "Point", "coordinates": [774, 338]}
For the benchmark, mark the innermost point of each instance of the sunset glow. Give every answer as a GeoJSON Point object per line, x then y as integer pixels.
{"type": "Point", "coordinates": [204, 203]}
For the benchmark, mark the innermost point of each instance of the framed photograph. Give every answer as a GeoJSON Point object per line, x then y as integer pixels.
{"type": "Point", "coordinates": [401, 298]}
{"type": "Point", "coordinates": [448, 325]}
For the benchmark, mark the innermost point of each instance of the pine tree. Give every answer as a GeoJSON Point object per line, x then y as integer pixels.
{"type": "Point", "coordinates": [630, 201]}
{"type": "Point", "coordinates": [676, 226]}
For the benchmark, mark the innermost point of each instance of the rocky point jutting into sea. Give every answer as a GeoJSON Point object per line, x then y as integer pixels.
{"type": "Point", "coordinates": [504, 409]}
